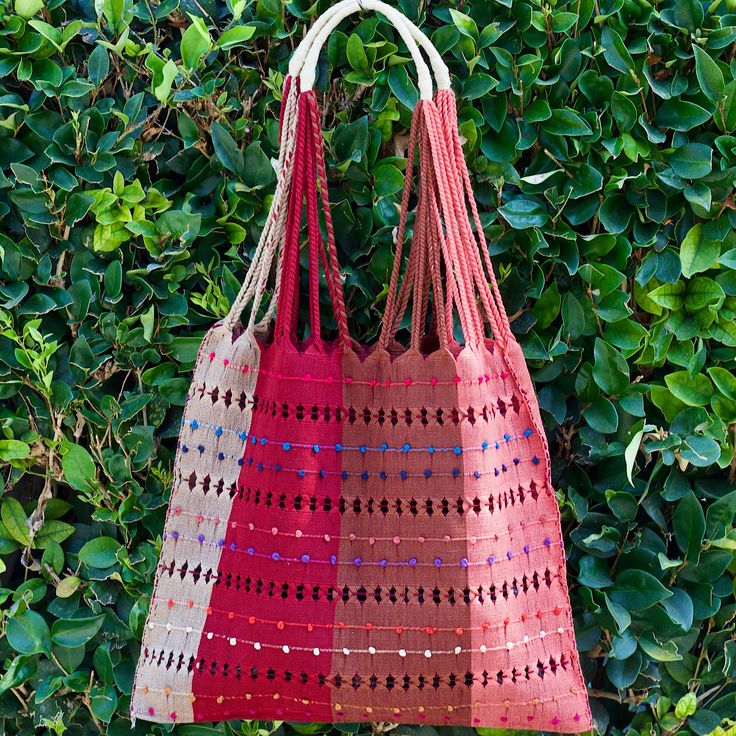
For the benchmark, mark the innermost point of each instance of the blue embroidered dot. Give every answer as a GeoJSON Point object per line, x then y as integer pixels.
{"type": "Point", "coordinates": [507, 437]}
{"type": "Point", "coordinates": [526, 549]}
{"type": "Point", "coordinates": [200, 448]}
{"type": "Point", "coordinates": [263, 441]}
{"type": "Point", "coordinates": [240, 461]}
{"type": "Point", "coordinates": [491, 559]}
{"type": "Point", "coordinates": [457, 450]}
{"type": "Point", "coordinates": [504, 468]}
{"type": "Point", "coordinates": [464, 562]}
{"type": "Point", "coordinates": [338, 447]}
{"type": "Point", "coordinates": [164, 536]}
{"type": "Point", "coordinates": [484, 446]}
{"type": "Point", "coordinates": [175, 535]}
{"type": "Point", "coordinates": [430, 450]}
{"type": "Point", "coordinates": [184, 448]}
{"type": "Point", "coordinates": [384, 447]}
{"type": "Point", "coordinates": [402, 475]}
{"type": "Point", "coordinates": [200, 538]}
{"type": "Point", "coordinates": [363, 449]}
{"type": "Point", "coordinates": [476, 474]}
{"type": "Point", "coordinates": [322, 473]}
{"type": "Point", "coordinates": [528, 433]}
{"type": "Point", "coordinates": [277, 467]}
{"type": "Point", "coordinates": [437, 562]}
{"type": "Point", "coordinates": [382, 475]}
{"type": "Point", "coordinates": [413, 562]}
{"type": "Point", "coordinates": [495, 472]}
{"type": "Point", "coordinates": [275, 556]}
{"type": "Point", "coordinates": [535, 460]}
{"type": "Point", "coordinates": [260, 467]}
{"type": "Point", "coordinates": [243, 436]}
{"type": "Point", "coordinates": [364, 475]}
{"type": "Point", "coordinates": [301, 473]}
{"type": "Point", "coordinates": [497, 446]}
{"type": "Point", "coordinates": [218, 432]}
{"type": "Point", "coordinates": [358, 562]}
{"type": "Point", "coordinates": [254, 440]}
{"type": "Point", "coordinates": [234, 546]}
{"type": "Point", "coordinates": [286, 446]}
{"type": "Point", "coordinates": [427, 473]}
{"type": "Point", "coordinates": [406, 447]}
{"type": "Point", "coordinates": [516, 461]}
{"type": "Point", "coordinates": [344, 474]}
{"type": "Point", "coordinates": [333, 560]}
{"type": "Point", "coordinates": [250, 461]}
{"type": "Point", "coordinates": [383, 563]}
{"type": "Point", "coordinates": [220, 455]}
{"type": "Point", "coordinates": [315, 449]}
{"type": "Point", "coordinates": [194, 424]}
{"type": "Point", "coordinates": [548, 542]}
{"type": "Point", "coordinates": [510, 555]}
{"type": "Point", "coordinates": [305, 557]}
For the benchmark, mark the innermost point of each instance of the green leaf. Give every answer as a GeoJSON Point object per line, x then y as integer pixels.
{"type": "Point", "coordinates": [15, 520]}
{"type": "Point", "coordinates": [566, 122]}
{"type": "Point", "coordinates": [698, 251]}
{"type": "Point", "coordinates": [709, 75]}
{"type": "Point", "coordinates": [355, 51]}
{"type": "Point", "coordinates": [75, 632]}
{"type": "Point", "coordinates": [98, 65]}
{"type": "Point", "coordinates": [637, 590]}
{"type": "Point", "coordinates": [388, 180]}
{"type": "Point", "coordinates": [615, 51]}
{"type": "Point", "coordinates": [658, 651]}
{"type": "Point", "coordinates": [195, 43]}
{"type": "Point", "coordinates": [401, 85]}
{"type": "Point", "coordinates": [688, 523]}
{"type": "Point", "coordinates": [465, 24]}
{"type": "Point", "coordinates": [522, 213]}
{"type": "Point", "coordinates": [680, 115]}
{"type": "Point", "coordinates": [227, 150]}
{"type": "Point", "coordinates": [692, 161]}
{"type": "Point", "coordinates": [351, 141]}
{"type": "Point", "coordinates": [100, 552]}
{"type": "Point", "coordinates": [28, 633]}
{"type": "Point", "coordinates": [610, 371]}
{"type": "Point", "coordinates": [691, 390]}
{"type": "Point", "coordinates": [78, 466]}
{"type": "Point", "coordinates": [257, 171]}
{"type": "Point", "coordinates": [14, 450]}
{"type": "Point", "coordinates": [686, 706]}
{"type": "Point", "coordinates": [720, 516]}
{"type": "Point", "coordinates": [28, 8]}
{"type": "Point", "coordinates": [724, 380]}
{"type": "Point", "coordinates": [234, 37]}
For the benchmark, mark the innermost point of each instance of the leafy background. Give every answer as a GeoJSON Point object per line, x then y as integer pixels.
{"type": "Point", "coordinates": [136, 141]}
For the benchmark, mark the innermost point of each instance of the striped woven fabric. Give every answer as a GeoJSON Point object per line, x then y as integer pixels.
{"type": "Point", "coordinates": [364, 533]}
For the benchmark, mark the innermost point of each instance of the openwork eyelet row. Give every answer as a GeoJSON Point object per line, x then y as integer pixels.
{"type": "Point", "coordinates": [299, 534]}
{"type": "Point", "coordinates": [378, 592]}
{"type": "Point", "coordinates": [280, 625]}
{"type": "Point", "coordinates": [366, 415]}
{"type": "Point", "coordinates": [346, 651]}
{"type": "Point", "coordinates": [405, 449]}
{"type": "Point", "coordinates": [369, 712]}
{"type": "Point", "coordinates": [350, 381]}
{"type": "Point", "coordinates": [440, 506]}
{"type": "Point", "coordinates": [427, 473]}
{"type": "Point", "coordinates": [333, 560]}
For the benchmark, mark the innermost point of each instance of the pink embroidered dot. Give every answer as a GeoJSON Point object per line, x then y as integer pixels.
{"type": "Point", "coordinates": [457, 379]}
{"type": "Point", "coordinates": [351, 537]}
{"type": "Point", "coordinates": [151, 711]}
{"type": "Point", "coordinates": [577, 716]}
{"type": "Point", "coordinates": [177, 510]}
{"type": "Point", "coordinates": [225, 362]}
{"type": "Point", "coordinates": [555, 721]}
{"type": "Point", "coordinates": [373, 383]}
{"type": "Point", "coordinates": [504, 719]}
{"type": "Point", "coordinates": [348, 379]}
{"type": "Point", "coordinates": [407, 381]}
{"type": "Point", "coordinates": [504, 375]}
{"type": "Point", "coordinates": [329, 379]}
{"type": "Point", "coordinates": [212, 357]}
{"type": "Point", "coordinates": [307, 376]}
{"type": "Point", "coordinates": [433, 381]}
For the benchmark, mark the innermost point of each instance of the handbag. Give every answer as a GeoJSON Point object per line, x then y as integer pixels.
{"type": "Point", "coordinates": [364, 533]}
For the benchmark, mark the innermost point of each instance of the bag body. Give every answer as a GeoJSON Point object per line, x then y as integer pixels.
{"type": "Point", "coordinates": [364, 533]}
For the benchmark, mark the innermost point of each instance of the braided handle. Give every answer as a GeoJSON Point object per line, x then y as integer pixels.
{"type": "Point", "coordinates": [336, 14]}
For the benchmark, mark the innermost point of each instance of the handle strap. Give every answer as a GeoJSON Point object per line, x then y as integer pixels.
{"type": "Point", "coordinates": [337, 14]}
{"type": "Point", "coordinates": [439, 68]}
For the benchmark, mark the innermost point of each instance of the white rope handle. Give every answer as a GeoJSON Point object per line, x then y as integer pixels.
{"type": "Point", "coordinates": [441, 72]}
{"type": "Point", "coordinates": [337, 14]}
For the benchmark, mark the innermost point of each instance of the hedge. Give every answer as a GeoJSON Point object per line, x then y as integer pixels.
{"type": "Point", "coordinates": [136, 150]}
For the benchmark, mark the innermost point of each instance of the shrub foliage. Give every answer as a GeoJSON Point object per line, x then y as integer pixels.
{"type": "Point", "coordinates": [136, 148]}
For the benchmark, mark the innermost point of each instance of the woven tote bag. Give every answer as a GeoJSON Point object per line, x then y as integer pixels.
{"type": "Point", "coordinates": [364, 533]}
